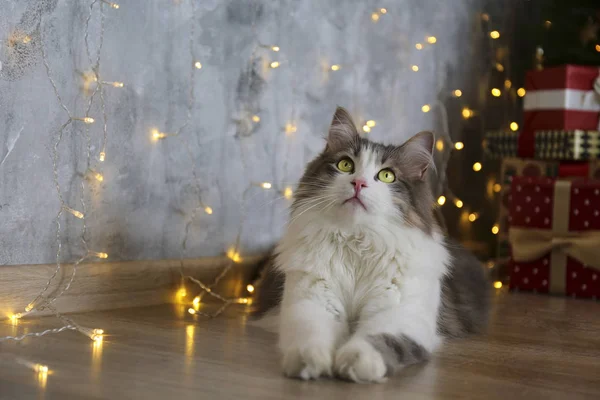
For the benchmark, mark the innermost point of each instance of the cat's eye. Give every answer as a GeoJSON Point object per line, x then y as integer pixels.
{"type": "Point", "coordinates": [386, 175]}
{"type": "Point", "coordinates": [345, 165]}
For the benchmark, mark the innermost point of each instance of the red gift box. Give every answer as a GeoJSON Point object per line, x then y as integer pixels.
{"type": "Point", "coordinates": [555, 236]}
{"type": "Point", "coordinates": [559, 98]}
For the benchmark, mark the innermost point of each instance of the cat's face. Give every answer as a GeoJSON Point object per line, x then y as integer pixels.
{"type": "Point", "coordinates": [356, 181]}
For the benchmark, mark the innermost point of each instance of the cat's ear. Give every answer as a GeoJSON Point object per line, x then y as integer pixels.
{"type": "Point", "coordinates": [415, 156]}
{"type": "Point", "coordinates": [342, 132]}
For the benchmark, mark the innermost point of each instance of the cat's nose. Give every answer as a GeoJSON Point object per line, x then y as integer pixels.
{"type": "Point", "coordinates": [359, 184]}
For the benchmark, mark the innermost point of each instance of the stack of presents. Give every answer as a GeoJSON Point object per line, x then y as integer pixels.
{"type": "Point", "coordinates": [550, 209]}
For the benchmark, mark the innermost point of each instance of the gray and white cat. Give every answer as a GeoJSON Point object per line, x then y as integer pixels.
{"type": "Point", "coordinates": [363, 281]}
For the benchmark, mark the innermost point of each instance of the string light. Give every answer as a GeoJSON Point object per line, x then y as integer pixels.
{"type": "Point", "coordinates": [234, 255]}
{"type": "Point", "coordinates": [383, 10]}
{"type": "Point", "coordinates": [514, 126]}
{"type": "Point", "coordinates": [415, 68]}
{"type": "Point", "coordinates": [467, 113]}
{"type": "Point", "coordinates": [196, 301]}
{"type": "Point", "coordinates": [76, 213]}
{"type": "Point", "coordinates": [426, 108]}
{"type": "Point", "coordinates": [242, 300]}
{"type": "Point", "coordinates": [439, 144]}
{"type": "Point", "coordinates": [335, 67]}
{"type": "Point", "coordinates": [156, 134]}
{"type": "Point", "coordinates": [500, 67]}
{"type": "Point", "coordinates": [288, 193]}
{"type": "Point", "coordinates": [250, 288]}
{"type": "Point", "coordinates": [473, 217]}
{"type": "Point", "coordinates": [114, 84]}
{"type": "Point", "coordinates": [431, 39]}
{"type": "Point", "coordinates": [275, 48]}
{"type": "Point", "coordinates": [507, 84]}
{"type": "Point", "coordinates": [459, 145]}
{"type": "Point", "coordinates": [547, 24]}
{"type": "Point", "coordinates": [457, 93]}
{"type": "Point", "coordinates": [255, 118]}
{"type": "Point", "coordinates": [87, 120]}
{"type": "Point", "coordinates": [419, 46]}
{"type": "Point", "coordinates": [598, 48]}
{"type": "Point", "coordinates": [208, 210]}
{"type": "Point", "coordinates": [371, 124]}
{"type": "Point", "coordinates": [191, 311]}
{"type": "Point", "coordinates": [26, 39]}
{"type": "Point", "coordinates": [97, 175]}
{"type": "Point", "coordinates": [521, 92]}
{"type": "Point", "coordinates": [102, 156]}
{"type": "Point", "coordinates": [498, 285]}
{"type": "Point", "coordinates": [290, 128]}
{"type": "Point", "coordinates": [182, 292]}
{"type": "Point", "coordinates": [266, 185]}
{"type": "Point", "coordinates": [112, 5]}
{"type": "Point", "coordinates": [275, 64]}
{"type": "Point", "coordinates": [441, 200]}
{"type": "Point", "coordinates": [97, 254]}
{"type": "Point", "coordinates": [477, 167]}
{"type": "Point", "coordinates": [496, 92]}
{"type": "Point", "coordinates": [494, 34]}
{"type": "Point", "coordinates": [485, 17]}
{"type": "Point", "coordinates": [198, 65]}
{"type": "Point", "coordinates": [458, 203]}
{"type": "Point", "coordinates": [375, 17]}
{"type": "Point", "coordinates": [366, 129]}
{"type": "Point", "coordinates": [495, 229]}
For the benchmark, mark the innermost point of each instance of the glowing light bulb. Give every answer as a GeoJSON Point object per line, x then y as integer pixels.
{"type": "Point", "coordinates": [383, 10]}
{"type": "Point", "coordinates": [290, 128]}
{"type": "Point", "coordinates": [598, 48]}
{"type": "Point", "coordinates": [255, 118]}
{"type": "Point", "coordinates": [431, 39]}
{"type": "Point", "coordinates": [275, 64]}
{"type": "Point", "coordinates": [370, 123]}
{"type": "Point", "coordinates": [497, 187]}
{"type": "Point", "coordinates": [118, 84]}
{"type": "Point", "coordinates": [366, 128]}
{"type": "Point", "coordinates": [234, 255]}
{"type": "Point", "coordinates": [457, 93]}
{"type": "Point", "coordinates": [495, 229]}
{"type": "Point", "coordinates": [75, 213]}
{"type": "Point", "coordinates": [499, 67]}
{"type": "Point", "coordinates": [507, 84]}
{"type": "Point", "coordinates": [287, 193]}
{"type": "Point", "coordinates": [439, 144]}
{"type": "Point", "coordinates": [458, 203]}
{"type": "Point", "coordinates": [547, 24]}
{"type": "Point", "coordinates": [335, 67]}
{"type": "Point", "coordinates": [208, 210]}
{"type": "Point", "coordinates": [514, 126]}
{"type": "Point", "coordinates": [521, 92]}
{"type": "Point", "coordinates": [191, 311]}
{"type": "Point", "coordinates": [88, 120]}
{"type": "Point", "coordinates": [156, 134]}
{"type": "Point", "coordinates": [426, 108]}
{"type": "Point", "coordinates": [99, 331]}
{"type": "Point", "coordinates": [494, 34]}
{"type": "Point", "coordinates": [41, 368]}
{"type": "Point", "coordinates": [99, 177]}
{"type": "Point", "coordinates": [242, 300]}
{"type": "Point", "coordinates": [485, 17]}
{"type": "Point", "coordinates": [198, 65]}
{"type": "Point", "coordinates": [250, 288]}
{"type": "Point", "coordinates": [441, 200]}
{"type": "Point", "coordinates": [498, 285]}
{"type": "Point", "coordinates": [29, 307]}
{"type": "Point", "coordinates": [266, 185]}
{"type": "Point", "coordinates": [467, 113]}
{"type": "Point", "coordinates": [477, 167]}
{"type": "Point", "coordinates": [16, 316]}
{"type": "Point", "coordinates": [419, 46]}
{"type": "Point", "coordinates": [275, 48]}
{"type": "Point", "coordinates": [473, 217]}
{"type": "Point", "coordinates": [415, 68]}
{"type": "Point", "coordinates": [26, 39]}
{"type": "Point", "coordinates": [496, 92]}
{"type": "Point", "coordinates": [102, 156]}
{"type": "Point", "coordinates": [375, 17]}
{"type": "Point", "coordinates": [459, 145]}
{"type": "Point", "coordinates": [99, 255]}
{"type": "Point", "coordinates": [196, 300]}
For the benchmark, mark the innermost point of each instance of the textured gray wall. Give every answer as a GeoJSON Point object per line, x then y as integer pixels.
{"type": "Point", "coordinates": [141, 208]}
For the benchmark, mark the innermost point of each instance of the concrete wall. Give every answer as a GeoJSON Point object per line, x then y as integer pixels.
{"type": "Point", "coordinates": [140, 209]}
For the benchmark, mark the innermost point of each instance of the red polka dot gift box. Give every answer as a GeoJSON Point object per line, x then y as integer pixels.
{"type": "Point", "coordinates": [555, 236]}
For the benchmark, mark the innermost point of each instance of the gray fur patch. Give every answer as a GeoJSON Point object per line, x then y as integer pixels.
{"type": "Point", "coordinates": [398, 351]}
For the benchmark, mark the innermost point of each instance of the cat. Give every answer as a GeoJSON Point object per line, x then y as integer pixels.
{"type": "Point", "coordinates": [363, 281]}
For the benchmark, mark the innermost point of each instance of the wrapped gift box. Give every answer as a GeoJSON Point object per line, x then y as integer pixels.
{"type": "Point", "coordinates": [555, 236]}
{"type": "Point", "coordinates": [557, 145]}
{"type": "Point", "coordinates": [559, 98]}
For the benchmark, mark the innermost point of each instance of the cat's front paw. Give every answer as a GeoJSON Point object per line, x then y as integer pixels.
{"type": "Point", "coordinates": [360, 362]}
{"type": "Point", "coordinates": [309, 362]}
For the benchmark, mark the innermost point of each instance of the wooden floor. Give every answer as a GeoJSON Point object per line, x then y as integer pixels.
{"type": "Point", "coordinates": [538, 348]}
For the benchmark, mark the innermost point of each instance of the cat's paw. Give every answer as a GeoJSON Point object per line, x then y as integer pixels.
{"type": "Point", "coordinates": [309, 362]}
{"type": "Point", "coordinates": [360, 362]}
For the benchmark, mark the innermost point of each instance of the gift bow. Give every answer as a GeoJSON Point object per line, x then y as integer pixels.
{"type": "Point", "coordinates": [531, 244]}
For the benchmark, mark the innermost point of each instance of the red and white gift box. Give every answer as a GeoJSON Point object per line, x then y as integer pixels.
{"type": "Point", "coordinates": [559, 98]}
{"type": "Point", "coordinates": [555, 236]}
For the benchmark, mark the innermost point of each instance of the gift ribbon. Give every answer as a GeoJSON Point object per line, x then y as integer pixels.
{"type": "Point", "coordinates": [532, 244]}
